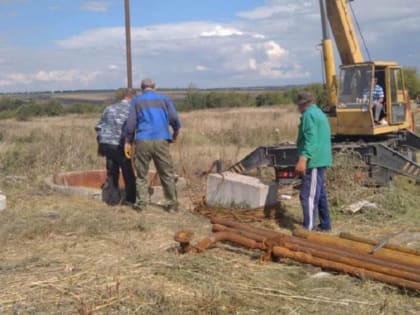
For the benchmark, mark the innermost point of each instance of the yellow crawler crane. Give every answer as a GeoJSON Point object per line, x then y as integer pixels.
{"type": "Point", "coordinates": [351, 94]}
{"type": "Point", "coordinates": [386, 149]}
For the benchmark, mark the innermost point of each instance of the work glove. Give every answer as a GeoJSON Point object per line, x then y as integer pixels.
{"type": "Point", "coordinates": [128, 150]}
{"type": "Point", "coordinates": [301, 166]}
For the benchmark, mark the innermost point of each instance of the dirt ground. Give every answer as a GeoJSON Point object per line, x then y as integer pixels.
{"type": "Point", "coordinates": [72, 255]}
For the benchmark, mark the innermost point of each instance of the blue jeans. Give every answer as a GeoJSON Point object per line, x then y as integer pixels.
{"type": "Point", "coordinates": [313, 198]}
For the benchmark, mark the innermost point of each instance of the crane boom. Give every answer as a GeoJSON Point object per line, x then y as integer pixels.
{"type": "Point", "coordinates": [344, 32]}
{"type": "Point", "coordinates": [328, 54]}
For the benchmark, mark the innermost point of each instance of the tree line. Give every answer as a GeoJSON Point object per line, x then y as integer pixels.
{"type": "Point", "coordinates": [198, 99]}
{"type": "Point", "coordinates": [195, 99]}
{"type": "Point", "coordinates": [26, 109]}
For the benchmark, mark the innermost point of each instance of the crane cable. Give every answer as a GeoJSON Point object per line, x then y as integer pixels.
{"type": "Point", "coordinates": [360, 31]}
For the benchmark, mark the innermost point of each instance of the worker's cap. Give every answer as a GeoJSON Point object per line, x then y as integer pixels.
{"type": "Point", "coordinates": [304, 98]}
{"type": "Point", "coordinates": [148, 83]}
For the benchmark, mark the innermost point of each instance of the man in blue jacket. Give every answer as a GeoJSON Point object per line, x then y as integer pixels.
{"type": "Point", "coordinates": [149, 121]}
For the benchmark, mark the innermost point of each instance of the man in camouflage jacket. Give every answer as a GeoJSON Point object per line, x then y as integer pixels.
{"type": "Point", "coordinates": [110, 132]}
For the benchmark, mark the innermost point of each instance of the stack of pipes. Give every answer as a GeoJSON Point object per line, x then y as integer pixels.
{"type": "Point", "coordinates": [355, 256]}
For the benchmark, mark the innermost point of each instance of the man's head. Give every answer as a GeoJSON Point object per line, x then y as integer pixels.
{"type": "Point", "coordinates": [304, 100]}
{"type": "Point", "coordinates": [125, 94]}
{"type": "Point", "coordinates": [128, 94]}
{"type": "Point", "coordinates": [148, 84]}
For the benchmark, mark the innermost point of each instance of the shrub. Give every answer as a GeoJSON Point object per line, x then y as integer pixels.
{"type": "Point", "coordinates": [7, 114]}
{"type": "Point", "coordinates": [24, 113]}
{"type": "Point", "coordinates": [200, 100]}
{"type": "Point", "coordinates": [273, 98]}
{"type": "Point", "coordinates": [195, 100]}
{"type": "Point", "coordinates": [34, 109]}
{"type": "Point", "coordinates": [51, 108]}
{"type": "Point", "coordinates": [9, 104]}
{"type": "Point", "coordinates": [319, 93]}
{"type": "Point", "coordinates": [412, 81]}
{"type": "Point", "coordinates": [83, 109]}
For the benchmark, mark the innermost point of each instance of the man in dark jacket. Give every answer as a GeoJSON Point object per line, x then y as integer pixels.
{"type": "Point", "coordinates": [149, 121]}
{"type": "Point", "coordinates": [111, 133]}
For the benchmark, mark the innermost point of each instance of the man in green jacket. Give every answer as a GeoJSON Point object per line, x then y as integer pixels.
{"type": "Point", "coordinates": [315, 155]}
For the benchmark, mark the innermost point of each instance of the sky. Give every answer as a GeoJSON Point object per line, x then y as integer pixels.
{"type": "Point", "coordinates": [51, 45]}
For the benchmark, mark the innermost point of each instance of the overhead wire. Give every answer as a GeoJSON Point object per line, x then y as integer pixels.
{"type": "Point", "coordinates": [360, 31]}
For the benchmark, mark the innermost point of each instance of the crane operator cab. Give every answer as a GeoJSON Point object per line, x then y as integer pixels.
{"type": "Point", "coordinates": [371, 100]}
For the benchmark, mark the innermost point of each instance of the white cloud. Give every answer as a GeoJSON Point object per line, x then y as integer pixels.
{"type": "Point", "coordinates": [252, 64]}
{"type": "Point", "coordinates": [258, 36]}
{"type": "Point", "coordinates": [113, 67]}
{"type": "Point", "coordinates": [161, 32]}
{"type": "Point", "coordinates": [268, 10]}
{"type": "Point", "coordinates": [95, 6]}
{"type": "Point", "coordinates": [271, 61]}
{"type": "Point", "coordinates": [212, 44]}
{"type": "Point", "coordinates": [382, 23]}
{"type": "Point", "coordinates": [201, 68]}
{"type": "Point", "coordinates": [42, 76]}
{"type": "Point", "coordinates": [274, 50]}
{"type": "Point", "coordinates": [221, 31]}
{"type": "Point", "coordinates": [247, 48]}
{"type": "Point", "coordinates": [273, 44]}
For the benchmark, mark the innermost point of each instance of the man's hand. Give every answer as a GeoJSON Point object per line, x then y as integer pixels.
{"type": "Point", "coordinates": [301, 166]}
{"type": "Point", "coordinates": [128, 150]}
{"type": "Point", "coordinates": [175, 136]}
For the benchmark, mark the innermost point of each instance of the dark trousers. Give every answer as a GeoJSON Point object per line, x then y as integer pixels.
{"type": "Point", "coordinates": [313, 198]}
{"type": "Point", "coordinates": [115, 159]}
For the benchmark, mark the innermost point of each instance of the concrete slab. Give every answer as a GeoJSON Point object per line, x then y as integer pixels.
{"type": "Point", "coordinates": [229, 190]}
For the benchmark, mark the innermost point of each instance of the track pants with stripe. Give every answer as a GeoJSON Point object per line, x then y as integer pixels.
{"type": "Point", "coordinates": [313, 198]}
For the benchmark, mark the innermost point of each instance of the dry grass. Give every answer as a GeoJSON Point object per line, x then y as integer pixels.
{"type": "Point", "coordinates": [86, 96]}
{"type": "Point", "coordinates": [230, 134]}
{"type": "Point", "coordinates": [67, 255]}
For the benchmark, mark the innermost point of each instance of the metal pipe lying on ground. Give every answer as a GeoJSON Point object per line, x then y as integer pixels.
{"type": "Point", "coordinates": [326, 251]}
{"type": "Point", "coordinates": [250, 235]}
{"type": "Point", "coordinates": [353, 260]}
{"type": "Point", "coordinates": [360, 239]}
{"type": "Point", "coordinates": [230, 237]}
{"type": "Point", "coordinates": [358, 260]}
{"type": "Point", "coordinates": [392, 267]}
{"type": "Point", "coordinates": [361, 248]}
{"type": "Point", "coordinates": [355, 271]}
{"type": "Point", "coordinates": [345, 253]}
{"type": "Point", "coordinates": [337, 254]}
{"type": "Point", "coordinates": [244, 227]}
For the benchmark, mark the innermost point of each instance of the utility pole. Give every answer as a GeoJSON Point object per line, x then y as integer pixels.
{"type": "Point", "coordinates": [128, 44]}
